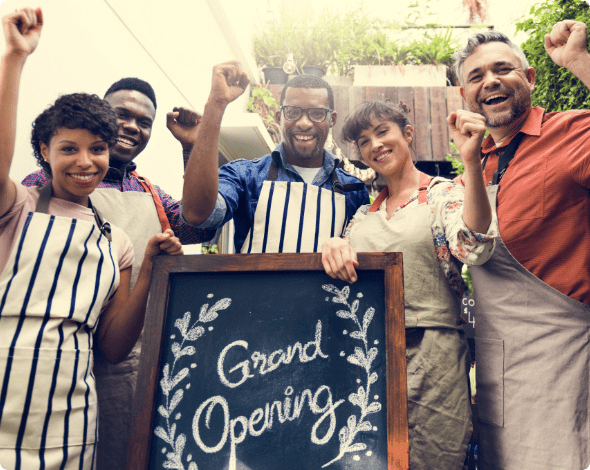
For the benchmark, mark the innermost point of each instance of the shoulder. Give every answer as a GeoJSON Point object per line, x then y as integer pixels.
{"type": "Point", "coordinates": [345, 177]}
{"type": "Point", "coordinates": [38, 178]}
{"type": "Point", "coordinates": [442, 188]}
{"type": "Point", "coordinates": [245, 169]}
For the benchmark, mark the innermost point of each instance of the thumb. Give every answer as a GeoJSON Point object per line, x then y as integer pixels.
{"type": "Point", "coordinates": [171, 117]}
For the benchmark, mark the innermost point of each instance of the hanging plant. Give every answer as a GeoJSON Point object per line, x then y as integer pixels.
{"type": "Point", "coordinates": [264, 104]}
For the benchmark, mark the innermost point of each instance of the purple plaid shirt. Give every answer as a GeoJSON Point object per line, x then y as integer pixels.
{"type": "Point", "coordinates": [125, 182]}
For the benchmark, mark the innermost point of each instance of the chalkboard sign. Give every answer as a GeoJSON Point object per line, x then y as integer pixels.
{"type": "Point", "coordinates": [263, 362]}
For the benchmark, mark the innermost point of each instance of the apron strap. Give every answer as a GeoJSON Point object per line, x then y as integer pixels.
{"type": "Point", "coordinates": [337, 186]}
{"type": "Point", "coordinates": [505, 158]}
{"type": "Point", "coordinates": [147, 186]}
{"type": "Point", "coordinates": [422, 193]}
{"type": "Point", "coordinates": [45, 195]}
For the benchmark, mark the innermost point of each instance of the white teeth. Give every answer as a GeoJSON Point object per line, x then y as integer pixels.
{"type": "Point", "coordinates": [497, 95]}
{"type": "Point", "coordinates": [304, 137]}
{"type": "Point", "coordinates": [82, 177]}
{"type": "Point", "coordinates": [122, 140]}
{"type": "Point", "coordinates": [382, 156]}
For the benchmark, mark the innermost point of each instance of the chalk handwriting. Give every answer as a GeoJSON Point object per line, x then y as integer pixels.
{"type": "Point", "coordinates": [262, 419]}
{"type": "Point", "coordinates": [306, 353]}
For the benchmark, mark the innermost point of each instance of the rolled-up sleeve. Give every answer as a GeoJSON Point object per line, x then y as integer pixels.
{"type": "Point", "coordinates": [468, 246]}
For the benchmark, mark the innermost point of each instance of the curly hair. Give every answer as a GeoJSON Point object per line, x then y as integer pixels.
{"type": "Point", "coordinates": [137, 84]}
{"type": "Point", "coordinates": [74, 111]}
{"type": "Point", "coordinates": [360, 119]}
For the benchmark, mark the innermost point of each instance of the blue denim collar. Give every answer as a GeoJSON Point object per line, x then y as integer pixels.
{"type": "Point", "coordinates": [330, 163]}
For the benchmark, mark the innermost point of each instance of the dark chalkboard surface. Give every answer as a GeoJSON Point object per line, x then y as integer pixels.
{"type": "Point", "coordinates": [267, 363]}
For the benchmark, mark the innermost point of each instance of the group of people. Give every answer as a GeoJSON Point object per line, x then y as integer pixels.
{"type": "Point", "coordinates": [58, 246]}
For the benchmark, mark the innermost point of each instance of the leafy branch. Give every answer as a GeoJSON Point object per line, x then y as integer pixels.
{"type": "Point", "coordinates": [170, 380]}
{"type": "Point", "coordinates": [363, 357]}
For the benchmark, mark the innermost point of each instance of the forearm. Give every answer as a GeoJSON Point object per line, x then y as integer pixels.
{"type": "Point", "coordinates": [118, 337]}
{"type": "Point", "coordinates": [581, 69]}
{"type": "Point", "coordinates": [201, 176]}
{"type": "Point", "coordinates": [11, 66]}
{"type": "Point", "coordinates": [477, 213]}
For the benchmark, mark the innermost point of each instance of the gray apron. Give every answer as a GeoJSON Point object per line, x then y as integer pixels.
{"type": "Point", "coordinates": [437, 355]}
{"type": "Point", "coordinates": [533, 358]}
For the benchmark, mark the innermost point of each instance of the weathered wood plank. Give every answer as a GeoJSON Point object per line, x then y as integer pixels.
{"type": "Point", "coordinates": [439, 128]}
{"type": "Point", "coordinates": [422, 126]}
{"type": "Point", "coordinates": [454, 102]}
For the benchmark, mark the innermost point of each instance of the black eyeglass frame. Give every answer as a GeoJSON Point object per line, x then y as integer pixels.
{"type": "Point", "coordinates": [306, 111]}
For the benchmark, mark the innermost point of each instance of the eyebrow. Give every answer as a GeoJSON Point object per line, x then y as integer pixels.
{"type": "Point", "coordinates": [128, 111]}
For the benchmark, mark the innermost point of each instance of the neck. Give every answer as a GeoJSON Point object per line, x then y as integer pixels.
{"type": "Point", "coordinates": [119, 165]}
{"type": "Point", "coordinates": [501, 134]}
{"type": "Point", "coordinates": [403, 182]}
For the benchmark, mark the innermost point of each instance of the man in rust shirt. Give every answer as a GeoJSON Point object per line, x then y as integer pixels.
{"type": "Point", "coordinates": [533, 296]}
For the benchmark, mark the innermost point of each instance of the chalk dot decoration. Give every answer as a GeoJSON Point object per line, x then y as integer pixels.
{"type": "Point", "coordinates": [362, 358]}
{"type": "Point", "coordinates": [175, 377]}
{"type": "Point", "coordinates": [345, 332]}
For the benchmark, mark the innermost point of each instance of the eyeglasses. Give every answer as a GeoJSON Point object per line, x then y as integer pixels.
{"type": "Point", "coordinates": [293, 113]}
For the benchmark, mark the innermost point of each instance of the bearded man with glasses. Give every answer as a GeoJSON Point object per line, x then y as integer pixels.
{"type": "Point", "coordinates": [289, 201]}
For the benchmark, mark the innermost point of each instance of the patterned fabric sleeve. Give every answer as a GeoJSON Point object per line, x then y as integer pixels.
{"type": "Point", "coordinates": [450, 234]}
{"type": "Point", "coordinates": [360, 213]}
{"type": "Point", "coordinates": [38, 178]}
{"type": "Point", "coordinates": [188, 235]}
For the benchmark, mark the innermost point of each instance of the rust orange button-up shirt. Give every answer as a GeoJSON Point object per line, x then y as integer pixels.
{"type": "Point", "coordinates": [544, 199]}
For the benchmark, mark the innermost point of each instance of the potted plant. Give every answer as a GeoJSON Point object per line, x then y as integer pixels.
{"type": "Point", "coordinates": [263, 102]}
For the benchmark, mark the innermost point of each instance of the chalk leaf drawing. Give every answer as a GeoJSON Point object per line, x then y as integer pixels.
{"type": "Point", "coordinates": [171, 379]}
{"type": "Point", "coordinates": [362, 357]}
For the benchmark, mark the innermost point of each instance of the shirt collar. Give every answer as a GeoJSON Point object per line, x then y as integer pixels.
{"type": "Point", "coordinates": [330, 162]}
{"type": "Point", "coordinates": [531, 126]}
{"type": "Point", "coordinates": [113, 174]}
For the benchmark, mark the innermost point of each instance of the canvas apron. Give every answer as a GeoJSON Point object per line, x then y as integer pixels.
{"type": "Point", "coordinates": [439, 411]}
{"type": "Point", "coordinates": [59, 275]}
{"type": "Point", "coordinates": [533, 361]}
{"type": "Point", "coordinates": [294, 217]}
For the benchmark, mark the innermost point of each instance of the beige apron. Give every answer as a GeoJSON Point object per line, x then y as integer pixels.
{"type": "Point", "coordinates": [60, 274]}
{"type": "Point", "coordinates": [533, 361]}
{"type": "Point", "coordinates": [294, 217]}
{"type": "Point", "coordinates": [439, 411]}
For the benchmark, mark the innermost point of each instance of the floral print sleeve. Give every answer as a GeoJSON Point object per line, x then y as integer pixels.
{"type": "Point", "coordinates": [360, 213]}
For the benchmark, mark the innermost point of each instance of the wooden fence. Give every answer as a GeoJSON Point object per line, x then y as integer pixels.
{"type": "Point", "coordinates": [429, 108]}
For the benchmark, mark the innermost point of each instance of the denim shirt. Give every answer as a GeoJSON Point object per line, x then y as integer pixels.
{"type": "Point", "coordinates": [240, 184]}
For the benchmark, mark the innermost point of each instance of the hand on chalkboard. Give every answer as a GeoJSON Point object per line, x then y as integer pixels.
{"type": "Point", "coordinates": [339, 259]}
{"type": "Point", "coordinates": [163, 243]}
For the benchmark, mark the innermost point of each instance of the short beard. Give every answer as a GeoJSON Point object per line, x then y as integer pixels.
{"type": "Point", "coordinates": [505, 119]}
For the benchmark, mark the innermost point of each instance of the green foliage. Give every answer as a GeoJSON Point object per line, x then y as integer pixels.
{"type": "Point", "coordinates": [263, 102]}
{"type": "Point", "coordinates": [339, 42]}
{"type": "Point", "coordinates": [456, 162]}
{"type": "Point", "coordinates": [209, 249]}
{"type": "Point", "coordinates": [557, 89]}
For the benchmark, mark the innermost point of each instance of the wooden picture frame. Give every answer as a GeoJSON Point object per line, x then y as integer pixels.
{"type": "Point", "coordinates": [170, 272]}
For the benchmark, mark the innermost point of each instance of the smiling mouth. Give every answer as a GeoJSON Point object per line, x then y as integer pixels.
{"type": "Point", "coordinates": [125, 142]}
{"type": "Point", "coordinates": [303, 138]}
{"type": "Point", "coordinates": [495, 99]}
{"type": "Point", "coordinates": [383, 155]}
{"type": "Point", "coordinates": [83, 178]}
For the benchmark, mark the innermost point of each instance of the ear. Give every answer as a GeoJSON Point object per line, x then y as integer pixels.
{"type": "Point", "coordinates": [409, 134]}
{"type": "Point", "coordinates": [278, 116]}
{"type": "Point", "coordinates": [462, 91]}
{"type": "Point", "coordinates": [44, 151]}
{"type": "Point", "coordinates": [333, 117]}
{"type": "Point", "coordinates": [531, 75]}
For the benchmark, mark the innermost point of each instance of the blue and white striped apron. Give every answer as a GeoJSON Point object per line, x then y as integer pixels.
{"type": "Point", "coordinates": [294, 217]}
{"type": "Point", "coordinates": [60, 274]}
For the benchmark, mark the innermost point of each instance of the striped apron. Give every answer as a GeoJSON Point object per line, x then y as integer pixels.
{"type": "Point", "coordinates": [295, 217]}
{"type": "Point", "coordinates": [60, 274]}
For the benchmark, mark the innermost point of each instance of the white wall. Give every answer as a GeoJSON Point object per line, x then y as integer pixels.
{"type": "Point", "coordinates": [85, 46]}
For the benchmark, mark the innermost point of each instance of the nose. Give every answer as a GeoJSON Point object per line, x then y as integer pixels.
{"type": "Point", "coordinates": [304, 122]}
{"type": "Point", "coordinates": [491, 79]}
{"type": "Point", "coordinates": [130, 125]}
{"type": "Point", "coordinates": [84, 159]}
{"type": "Point", "coordinates": [376, 144]}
